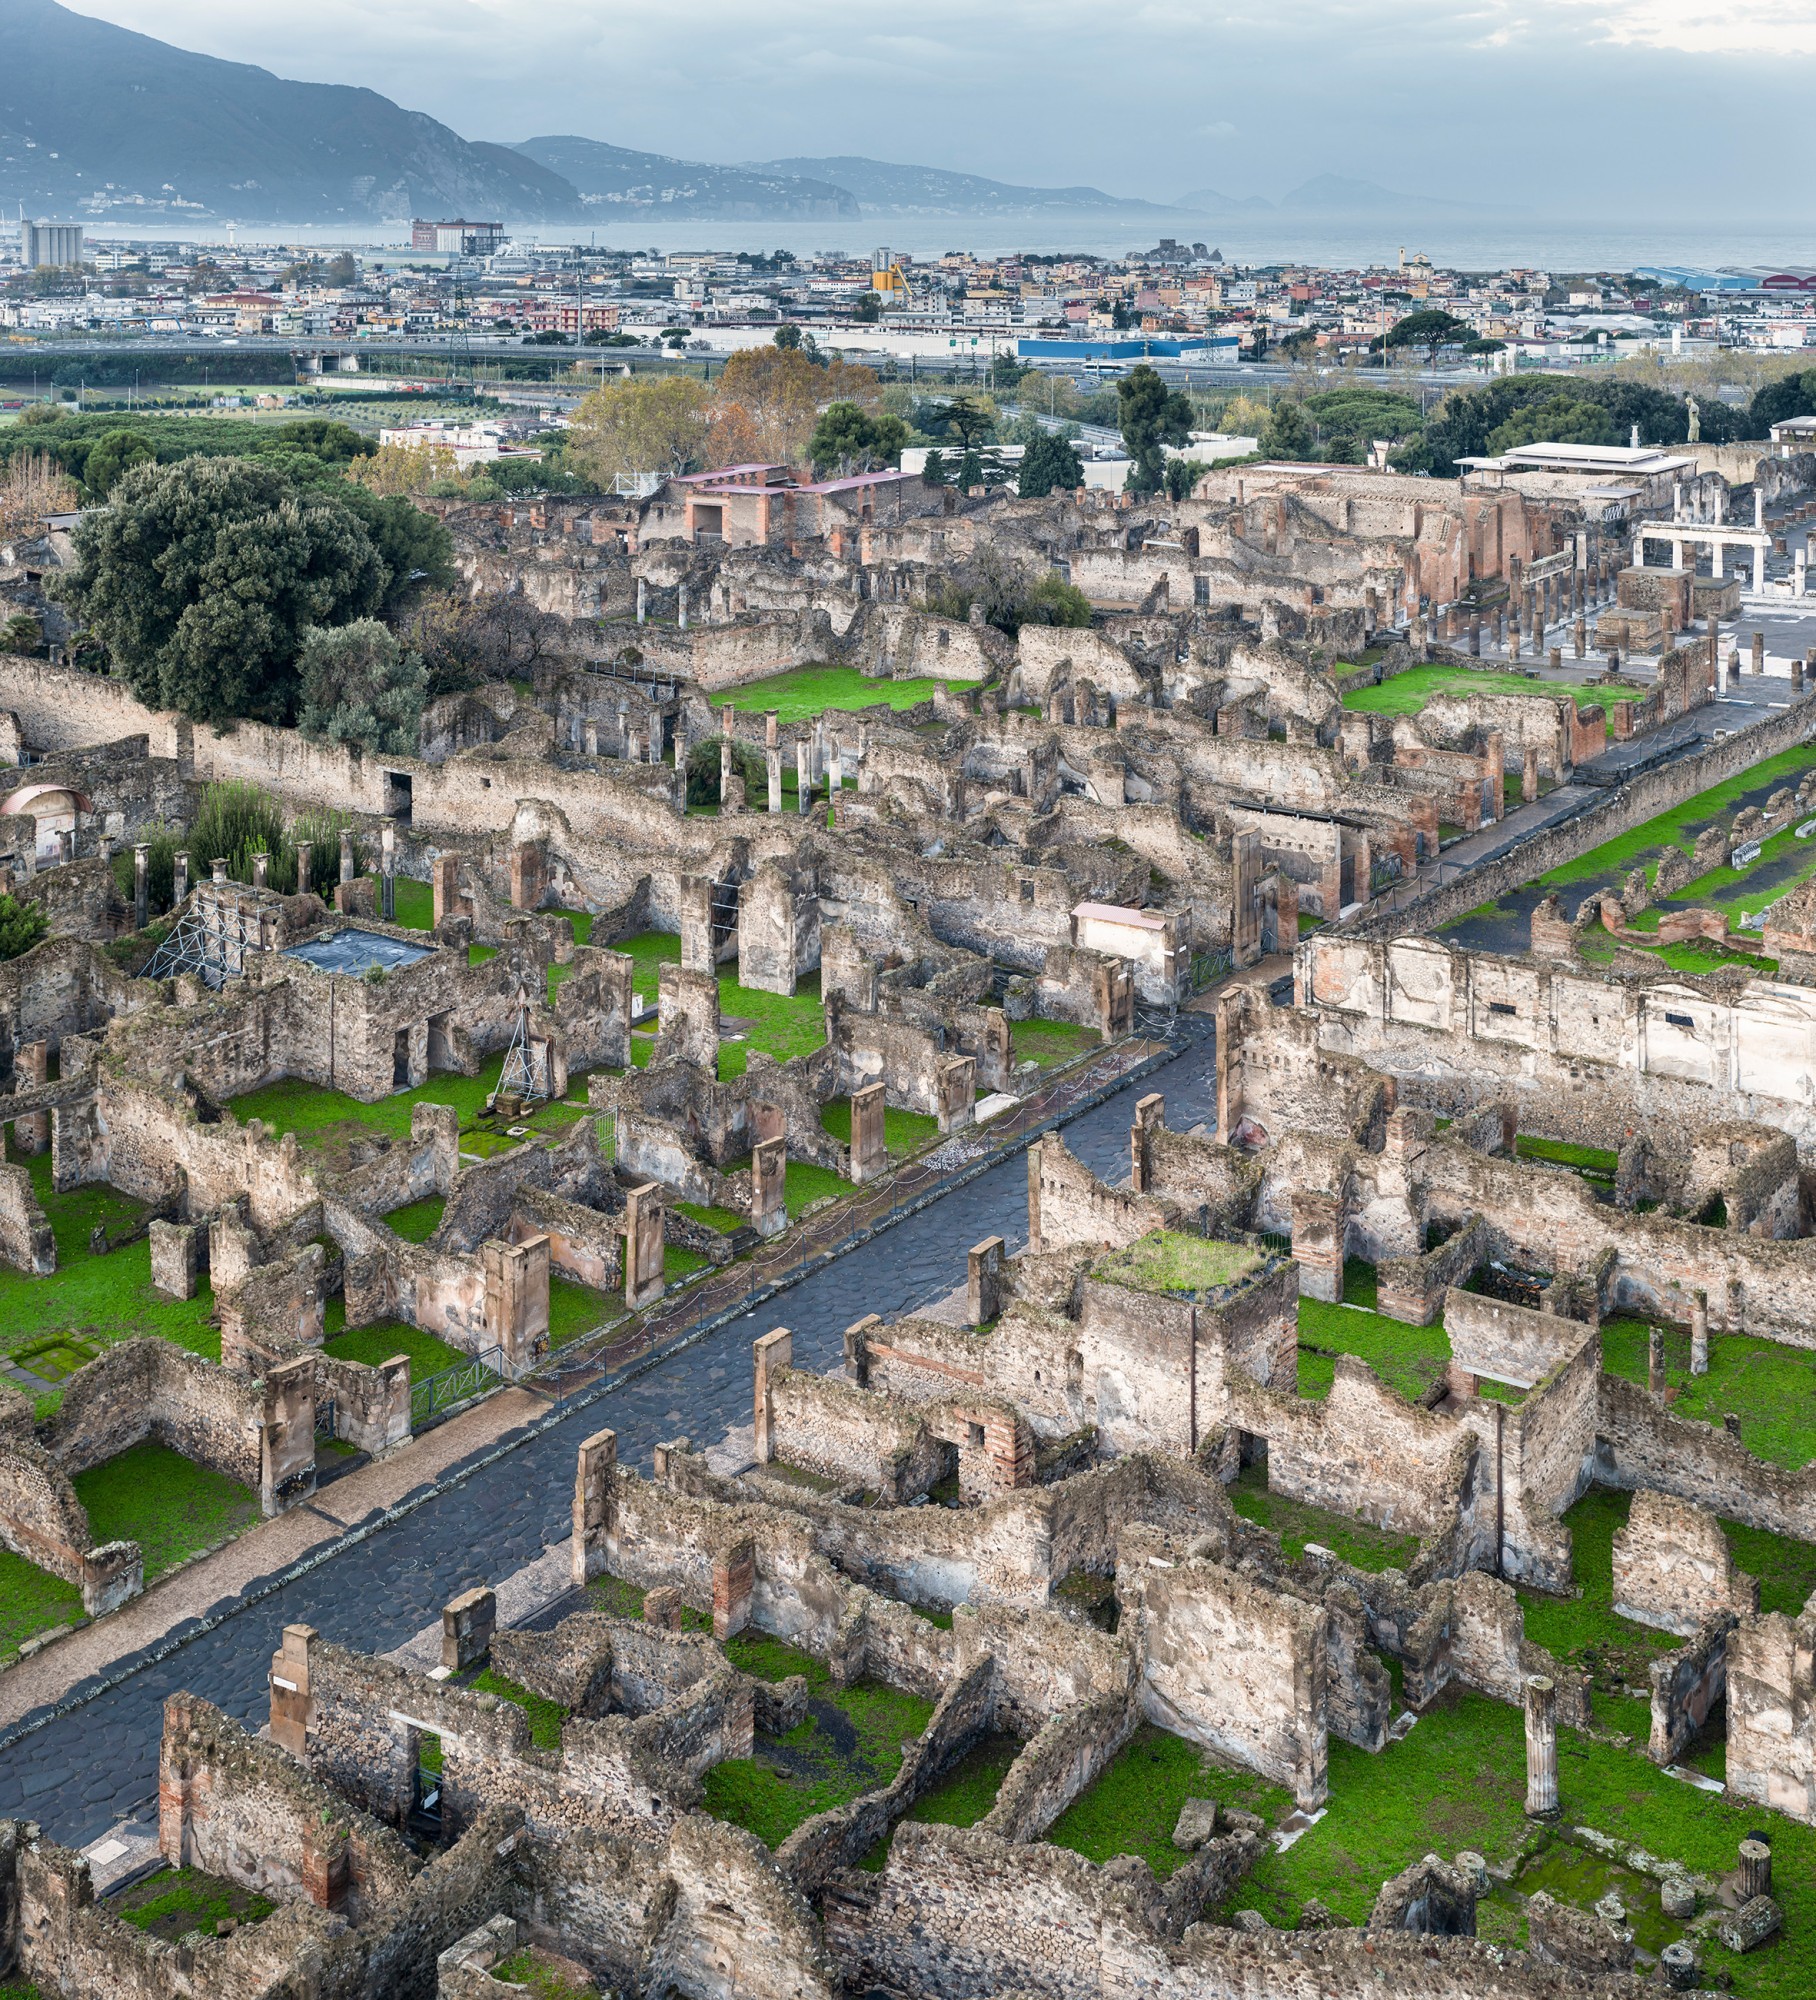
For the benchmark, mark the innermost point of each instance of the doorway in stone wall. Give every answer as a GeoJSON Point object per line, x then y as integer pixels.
{"type": "Point", "coordinates": [400, 1060]}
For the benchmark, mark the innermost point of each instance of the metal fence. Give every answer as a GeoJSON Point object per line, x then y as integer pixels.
{"type": "Point", "coordinates": [731, 1290]}
{"type": "Point", "coordinates": [435, 1395]}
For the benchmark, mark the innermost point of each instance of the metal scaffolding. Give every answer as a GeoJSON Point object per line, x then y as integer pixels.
{"type": "Point", "coordinates": [523, 1075]}
{"type": "Point", "coordinates": [211, 939]}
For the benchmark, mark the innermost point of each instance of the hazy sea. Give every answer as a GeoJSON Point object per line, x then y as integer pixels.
{"type": "Point", "coordinates": [1469, 243]}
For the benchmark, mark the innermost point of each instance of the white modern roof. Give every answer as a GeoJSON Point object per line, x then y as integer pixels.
{"type": "Point", "coordinates": [1643, 459]}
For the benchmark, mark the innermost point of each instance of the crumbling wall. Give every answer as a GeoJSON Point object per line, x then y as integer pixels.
{"type": "Point", "coordinates": [1673, 1568]}
{"type": "Point", "coordinates": [1231, 1664]}
{"type": "Point", "coordinates": [1771, 1664]}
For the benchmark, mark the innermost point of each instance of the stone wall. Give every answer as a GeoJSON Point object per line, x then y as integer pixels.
{"type": "Point", "coordinates": [241, 1809]}
{"type": "Point", "coordinates": [1673, 1569]}
{"type": "Point", "coordinates": [1365, 1451]}
{"type": "Point", "coordinates": [1232, 1665]}
{"type": "Point", "coordinates": [958, 1911]}
{"type": "Point", "coordinates": [1626, 807]}
{"type": "Point", "coordinates": [1772, 1713]}
{"type": "Point", "coordinates": [362, 1721]}
{"type": "Point", "coordinates": [1639, 1443]}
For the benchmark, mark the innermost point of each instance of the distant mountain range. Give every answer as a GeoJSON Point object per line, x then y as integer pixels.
{"type": "Point", "coordinates": [1326, 194]}
{"type": "Point", "coordinates": [107, 126]}
{"type": "Point", "coordinates": [612, 179]}
{"type": "Point", "coordinates": [886, 189]}
{"type": "Point", "coordinates": [101, 124]}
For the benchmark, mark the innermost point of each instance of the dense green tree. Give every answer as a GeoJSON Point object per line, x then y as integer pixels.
{"type": "Point", "coordinates": [162, 845]}
{"type": "Point", "coordinates": [1053, 601]}
{"type": "Point", "coordinates": [1180, 475]}
{"type": "Point", "coordinates": [1562, 419]}
{"type": "Point", "coordinates": [1431, 330]}
{"type": "Point", "coordinates": [963, 418]}
{"type": "Point", "coordinates": [848, 439]}
{"type": "Point", "coordinates": [201, 577]}
{"type": "Point", "coordinates": [21, 633]}
{"type": "Point", "coordinates": [415, 547]}
{"type": "Point", "coordinates": [1150, 415]}
{"type": "Point", "coordinates": [970, 472]}
{"type": "Point", "coordinates": [22, 925]}
{"type": "Point", "coordinates": [787, 336]}
{"type": "Point", "coordinates": [1790, 396]}
{"type": "Point", "coordinates": [116, 453]}
{"type": "Point", "coordinates": [1048, 462]}
{"type": "Point", "coordinates": [934, 472]}
{"type": "Point", "coordinates": [1287, 434]}
{"type": "Point", "coordinates": [358, 685]}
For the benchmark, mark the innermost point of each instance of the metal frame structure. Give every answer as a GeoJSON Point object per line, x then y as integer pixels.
{"type": "Point", "coordinates": [520, 1074]}
{"type": "Point", "coordinates": [211, 939]}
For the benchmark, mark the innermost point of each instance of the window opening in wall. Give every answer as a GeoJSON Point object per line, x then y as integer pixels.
{"type": "Point", "coordinates": [1680, 1021]}
{"type": "Point", "coordinates": [975, 1432]}
{"type": "Point", "coordinates": [398, 796]}
{"type": "Point", "coordinates": [1201, 590]}
{"type": "Point", "coordinates": [1027, 892]}
{"type": "Point", "coordinates": [1501, 1007]}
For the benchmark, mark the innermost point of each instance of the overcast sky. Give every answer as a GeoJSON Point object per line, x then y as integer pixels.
{"type": "Point", "coordinates": [1680, 107]}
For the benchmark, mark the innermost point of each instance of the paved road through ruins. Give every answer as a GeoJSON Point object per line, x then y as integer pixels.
{"type": "Point", "coordinates": [87, 1769]}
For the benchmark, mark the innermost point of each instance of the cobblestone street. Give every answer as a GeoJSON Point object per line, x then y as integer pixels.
{"type": "Point", "coordinates": [88, 1768]}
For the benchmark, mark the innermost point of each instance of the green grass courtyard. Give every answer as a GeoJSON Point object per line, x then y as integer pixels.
{"type": "Point", "coordinates": [1408, 693]}
{"type": "Point", "coordinates": [804, 692]}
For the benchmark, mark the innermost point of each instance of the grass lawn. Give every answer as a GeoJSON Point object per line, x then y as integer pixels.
{"type": "Point", "coordinates": [417, 1221]}
{"type": "Point", "coordinates": [576, 1309]}
{"type": "Point", "coordinates": [415, 905]}
{"type": "Point", "coordinates": [329, 1122]}
{"type": "Point", "coordinates": [1459, 1780]}
{"type": "Point", "coordinates": [679, 1263]}
{"type": "Point", "coordinates": [1595, 1162]}
{"type": "Point", "coordinates": [1409, 1359]}
{"type": "Point", "coordinates": [1407, 693]}
{"type": "Point", "coordinates": [1297, 1523]}
{"type": "Point", "coordinates": [542, 1975]}
{"type": "Point", "coordinates": [1166, 1260]}
{"type": "Point", "coordinates": [101, 1299]}
{"type": "Point", "coordinates": [851, 1742]}
{"type": "Point", "coordinates": [648, 951]}
{"type": "Point", "coordinates": [427, 1354]}
{"type": "Point", "coordinates": [804, 692]}
{"type": "Point", "coordinates": [1585, 1630]}
{"type": "Point", "coordinates": [170, 1506]}
{"type": "Point", "coordinates": [903, 1131]}
{"type": "Point", "coordinates": [781, 1025]}
{"type": "Point", "coordinates": [32, 1600]}
{"type": "Point", "coordinates": [1134, 1803]}
{"type": "Point", "coordinates": [546, 1717]}
{"type": "Point", "coordinates": [1771, 1388]}
{"type": "Point", "coordinates": [963, 1796]}
{"type": "Point", "coordinates": [177, 1900]}
{"type": "Point", "coordinates": [1050, 1043]}
{"type": "Point", "coordinates": [724, 1220]}
{"type": "Point", "coordinates": [1680, 826]}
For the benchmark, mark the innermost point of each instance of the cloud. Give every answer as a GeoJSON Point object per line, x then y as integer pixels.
{"type": "Point", "coordinates": [1406, 92]}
